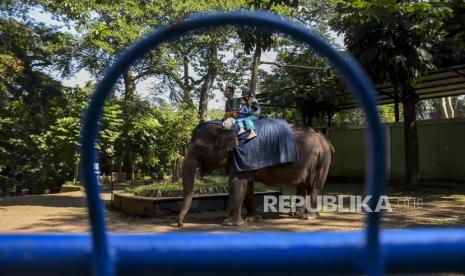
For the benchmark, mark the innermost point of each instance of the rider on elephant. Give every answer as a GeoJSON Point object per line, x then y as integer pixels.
{"type": "Point", "coordinates": [232, 105]}
{"type": "Point", "coordinates": [251, 112]}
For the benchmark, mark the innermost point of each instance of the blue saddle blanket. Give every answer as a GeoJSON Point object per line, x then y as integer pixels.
{"type": "Point", "coordinates": [275, 144]}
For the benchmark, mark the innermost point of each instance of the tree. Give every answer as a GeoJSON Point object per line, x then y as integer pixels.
{"type": "Point", "coordinates": [308, 84]}
{"type": "Point", "coordinates": [450, 51]}
{"type": "Point", "coordinates": [258, 40]}
{"type": "Point", "coordinates": [300, 77]}
{"type": "Point", "coordinates": [40, 118]}
{"type": "Point", "coordinates": [393, 41]}
{"type": "Point", "coordinates": [28, 98]}
{"type": "Point", "coordinates": [177, 125]}
{"type": "Point", "coordinates": [202, 53]}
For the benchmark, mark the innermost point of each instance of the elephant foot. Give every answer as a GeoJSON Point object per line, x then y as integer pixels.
{"type": "Point", "coordinates": [254, 218]}
{"type": "Point", "coordinates": [310, 216]}
{"type": "Point", "coordinates": [180, 223]}
{"type": "Point", "coordinates": [297, 213]}
{"type": "Point", "coordinates": [233, 221]}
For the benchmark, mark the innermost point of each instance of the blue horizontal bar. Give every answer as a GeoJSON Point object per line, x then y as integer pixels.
{"type": "Point", "coordinates": [403, 251]}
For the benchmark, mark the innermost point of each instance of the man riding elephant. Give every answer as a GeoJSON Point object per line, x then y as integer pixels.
{"type": "Point", "coordinates": [232, 106]}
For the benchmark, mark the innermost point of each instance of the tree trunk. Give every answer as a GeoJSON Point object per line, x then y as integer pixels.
{"type": "Point", "coordinates": [76, 172]}
{"type": "Point", "coordinates": [396, 104]}
{"type": "Point", "coordinates": [451, 107]}
{"type": "Point", "coordinates": [176, 169]}
{"type": "Point", "coordinates": [410, 140]}
{"type": "Point", "coordinates": [255, 63]}
{"type": "Point", "coordinates": [133, 171]}
{"type": "Point", "coordinates": [129, 164]}
{"type": "Point", "coordinates": [330, 115]}
{"type": "Point", "coordinates": [208, 83]}
{"type": "Point", "coordinates": [186, 97]}
{"type": "Point", "coordinates": [129, 93]}
{"type": "Point", "coordinates": [445, 113]}
{"type": "Point", "coordinates": [129, 85]}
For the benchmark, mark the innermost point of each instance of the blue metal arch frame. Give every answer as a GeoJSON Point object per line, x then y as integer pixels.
{"type": "Point", "coordinates": [350, 70]}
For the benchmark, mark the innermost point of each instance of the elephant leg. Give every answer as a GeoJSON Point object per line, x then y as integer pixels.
{"type": "Point", "coordinates": [300, 211]}
{"type": "Point", "coordinates": [314, 214]}
{"type": "Point", "coordinates": [312, 191]}
{"type": "Point", "coordinates": [314, 202]}
{"type": "Point", "coordinates": [237, 191]}
{"type": "Point", "coordinates": [317, 185]}
{"type": "Point", "coordinates": [250, 206]}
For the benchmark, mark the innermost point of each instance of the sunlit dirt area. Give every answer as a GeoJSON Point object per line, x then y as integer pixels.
{"type": "Point", "coordinates": [435, 204]}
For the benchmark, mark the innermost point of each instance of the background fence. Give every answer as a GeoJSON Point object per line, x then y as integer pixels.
{"type": "Point", "coordinates": [441, 145]}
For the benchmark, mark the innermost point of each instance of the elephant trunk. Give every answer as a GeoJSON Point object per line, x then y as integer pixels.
{"type": "Point", "coordinates": [189, 166]}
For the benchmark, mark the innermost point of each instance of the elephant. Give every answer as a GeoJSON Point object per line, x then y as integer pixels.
{"type": "Point", "coordinates": [211, 148]}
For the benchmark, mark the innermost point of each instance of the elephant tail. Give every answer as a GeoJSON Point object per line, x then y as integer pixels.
{"type": "Point", "coordinates": [322, 164]}
{"type": "Point", "coordinates": [331, 147]}
{"type": "Point", "coordinates": [324, 135]}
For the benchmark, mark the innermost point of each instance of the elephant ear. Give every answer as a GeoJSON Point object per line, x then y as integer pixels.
{"type": "Point", "coordinates": [226, 139]}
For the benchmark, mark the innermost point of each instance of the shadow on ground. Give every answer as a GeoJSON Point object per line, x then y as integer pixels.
{"type": "Point", "coordinates": [66, 212]}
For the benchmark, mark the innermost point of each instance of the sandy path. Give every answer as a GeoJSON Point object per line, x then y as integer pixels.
{"type": "Point", "coordinates": [66, 212]}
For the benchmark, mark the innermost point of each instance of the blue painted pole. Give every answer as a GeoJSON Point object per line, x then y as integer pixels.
{"type": "Point", "coordinates": [405, 251]}
{"type": "Point", "coordinates": [348, 68]}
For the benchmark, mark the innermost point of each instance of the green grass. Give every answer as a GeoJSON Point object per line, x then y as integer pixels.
{"type": "Point", "coordinates": [70, 186]}
{"type": "Point", "coordinates": [209, 185]}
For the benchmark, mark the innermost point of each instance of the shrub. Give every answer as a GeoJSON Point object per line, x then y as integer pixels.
{"type": "Point", "coordinates": [209, 185]}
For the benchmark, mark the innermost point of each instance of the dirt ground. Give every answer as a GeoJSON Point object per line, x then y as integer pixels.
{"type": "Point", "coordinates": [436, 204]}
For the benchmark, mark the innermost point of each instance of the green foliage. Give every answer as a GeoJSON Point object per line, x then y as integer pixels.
{"type": "Point", "coordinates": [215, 114]}
{"type": "Point", "coordinates": [451, 50]}
{"type": "Point", "coordinates": [349, 117]}
{"type": "Point", "coordinates": [111, 128]}
{"type": "Point", "coordinates": [303, 82]}
{"type": "Point", "coordinates": [59, 145]}
{"type": "Point", "coordinates": [176, 125]}
{"type": "Point", "coordinates": [387, 113]}
{"type": "Point", "coordinates": [107, 28]}
{"type": "Point", "coordinates": [251, 36]}
{"type": "Point", "coordinates": [356, 116]}
{"type": "Point", "coordinates": [313, 90]}
{"type": "Point", "coordinates": [392, 39]}
{"type": "Point", "coordinates": [210, 184]}
{"type": "Point", "coordinates": [34, 46]}
{"type": "Point", "coordinates": [155, 136]}
{"type": "Point", "coordinates": [40, 119]}
{"type": "Point", "coordinates": [35, 158]}
{"type": "Point", "coordinates": [30, 106]}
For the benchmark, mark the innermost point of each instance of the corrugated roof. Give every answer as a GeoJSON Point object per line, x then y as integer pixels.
{"type": "Point", "coordinates": [443, 82]}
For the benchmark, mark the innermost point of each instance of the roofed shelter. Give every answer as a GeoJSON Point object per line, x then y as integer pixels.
{"type": "Point", "coordinates": [442, 82]}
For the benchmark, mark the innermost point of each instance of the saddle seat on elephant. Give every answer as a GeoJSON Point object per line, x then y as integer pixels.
{"type": "Point", "coordinates": [275, 144]}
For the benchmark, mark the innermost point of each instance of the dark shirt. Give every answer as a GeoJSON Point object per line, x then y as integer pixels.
{"type": "Point", "coordinates": [232, 104]}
